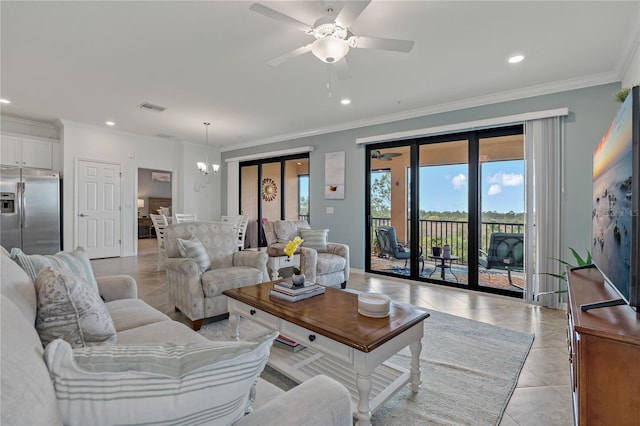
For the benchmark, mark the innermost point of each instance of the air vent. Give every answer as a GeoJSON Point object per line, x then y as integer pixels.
{"type": "Point", "coordinates": [164, 136]}
{"type": "Point", "coordinates": [151, 107]}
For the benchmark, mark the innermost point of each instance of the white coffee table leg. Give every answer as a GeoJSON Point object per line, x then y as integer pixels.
{"type": "Point", "coordinates": [363, 382]}
{"type": "Point", "coordinates": [415, 349]}
{"type": "Point", "coordinates": [234, 322]}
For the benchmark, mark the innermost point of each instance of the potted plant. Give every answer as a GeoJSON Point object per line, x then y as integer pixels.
{"type": "Point", "coordinates": [436, 246]}
{"type": "Point", "coordinates": [563, 276]}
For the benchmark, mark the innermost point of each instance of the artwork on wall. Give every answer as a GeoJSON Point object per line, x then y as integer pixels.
{"type": "Point", "coordinates": [334, 175]}
{"type": "Point", "coordinates": [160, 177]}
{"type": "Point", "coordinates": [269, 189]}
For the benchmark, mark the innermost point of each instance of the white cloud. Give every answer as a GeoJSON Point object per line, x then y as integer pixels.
{"type": "Point", "coordinates": [458, 181]}
{"type": "Point", "coordinates": [507, 179]}
{"type": "Point", "coordinates": [494, 189]}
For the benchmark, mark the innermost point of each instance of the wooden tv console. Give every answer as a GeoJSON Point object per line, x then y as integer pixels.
{"type": "Point", "coordinates": [604, 354]}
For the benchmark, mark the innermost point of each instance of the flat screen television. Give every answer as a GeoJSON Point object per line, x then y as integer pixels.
{"type": "Point", "coordinates": [616, 195]}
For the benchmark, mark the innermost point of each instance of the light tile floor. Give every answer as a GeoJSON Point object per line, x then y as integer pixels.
{"type": "Point", "coordinates": [542, 396]}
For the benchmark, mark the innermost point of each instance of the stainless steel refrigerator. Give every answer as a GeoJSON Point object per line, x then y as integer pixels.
{"type": "Point", "coordinates": [30, 210]}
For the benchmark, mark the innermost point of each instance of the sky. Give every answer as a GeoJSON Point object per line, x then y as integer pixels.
{"type": "Point", "coordinates": [444, 188]}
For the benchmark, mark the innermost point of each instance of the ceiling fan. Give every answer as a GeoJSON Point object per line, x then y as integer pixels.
{"type": "Point", "coordinates": [333, 35]}
{"type": "Point", "coordinates": [387, 156]}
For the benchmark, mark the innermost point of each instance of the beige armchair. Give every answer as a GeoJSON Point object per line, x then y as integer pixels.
{"type": "Point", "coordinates": [209, 265]}
{"type": "Point", "coordinates": [329, 268]}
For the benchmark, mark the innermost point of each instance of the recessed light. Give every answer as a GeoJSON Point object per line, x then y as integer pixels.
{"type": "Point", "coordinates": [5, 101]}
{"type": "Point", "coordinates": [515, 59]}
{"type": "Point", "coordinates": [109, 123]}
{"type": "Point", "coordinates": [345, 101]}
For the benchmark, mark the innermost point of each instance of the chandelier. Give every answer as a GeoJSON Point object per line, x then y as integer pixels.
{"type": "Point", "coordinates": [205, 167]}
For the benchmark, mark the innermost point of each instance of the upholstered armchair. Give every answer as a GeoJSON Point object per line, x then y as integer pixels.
{"type": "Point", "coordinates": [202, 262]}
{"type": "Point", "coordinates": [322, 262]}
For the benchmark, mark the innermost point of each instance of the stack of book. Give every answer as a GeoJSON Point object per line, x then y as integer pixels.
{"type": "Point", "coordinates": [288, 344]}
{"type": "Point", "coordinates": [286, 291]}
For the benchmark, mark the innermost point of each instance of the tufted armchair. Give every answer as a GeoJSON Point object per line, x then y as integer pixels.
{"type": "Point", "coordinates": [208, 265]}
{"type": "Point", "coordinates": [328, 266]}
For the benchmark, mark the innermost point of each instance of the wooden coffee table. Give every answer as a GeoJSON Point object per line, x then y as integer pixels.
{"type": "Point", "coordinates": [340, 342]}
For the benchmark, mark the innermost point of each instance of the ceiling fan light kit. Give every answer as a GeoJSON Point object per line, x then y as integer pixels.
{"type": "Point", "coordinates": [333, 36]}
{"type": "Point", "coordinates": [329, 49]}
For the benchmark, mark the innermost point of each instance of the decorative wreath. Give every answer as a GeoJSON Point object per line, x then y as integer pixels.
{"type": "Point", "coordinates": [269, 189]}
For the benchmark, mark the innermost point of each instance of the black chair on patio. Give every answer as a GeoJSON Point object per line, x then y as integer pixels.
{"type": "Point", "coordinates": [506, 252]}
{"type": "Point", "coordinates": [391, 248]}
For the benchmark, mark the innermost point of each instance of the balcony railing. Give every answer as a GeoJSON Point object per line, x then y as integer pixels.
{"type": "Point", "coordinates": [455, 233]}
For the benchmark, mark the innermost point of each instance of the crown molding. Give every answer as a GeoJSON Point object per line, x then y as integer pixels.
{"type": "Point", "coordinates": [270, 154]}
{"type": "Point", "coordinates": [527, 92]}
{"type": "Point", "coordinates": [24, 121]}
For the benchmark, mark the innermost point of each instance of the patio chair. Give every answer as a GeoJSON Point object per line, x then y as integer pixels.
{"type": "Point", "coordinates": [506, 252]}
{"type": "Point", "coordinates": [390, 247]}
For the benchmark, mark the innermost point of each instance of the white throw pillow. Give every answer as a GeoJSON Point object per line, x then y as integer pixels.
{"type": "Point", "coordinates": [315, 239]}
{"type": "Point", "coordinates": [203, 383]}
{"type": "Point", "coordinates": [194, 250]}
{"type": "Point", "coordinates": [69, 309]}
{"type": "Point", "coordinates": [76, 261]}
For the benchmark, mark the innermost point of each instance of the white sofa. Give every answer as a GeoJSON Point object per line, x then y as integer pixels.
{"type": "Point", "coordinates": [28, 394]}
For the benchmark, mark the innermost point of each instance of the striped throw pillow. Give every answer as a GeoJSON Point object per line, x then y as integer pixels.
{"type": "Point", "coordinates": [168, 384]}
{"type": "Point", "coordinates": [76, 261]}
{"type": "Point", "coordinates": [315, 239]}
{"type": "Point", "coordinates": [194, 250]}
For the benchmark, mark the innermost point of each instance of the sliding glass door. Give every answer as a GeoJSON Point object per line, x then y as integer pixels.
{"type": "Point", "coordinates": [272, 189]}
{"type": "Point", "coordinates": [502, 200]}
{"type": "Point", "coordinates": [445, 199]}
{"type": "Point", "coordinates": [443, 223]}
{"type": "Point", "coordinates": [390, 229]}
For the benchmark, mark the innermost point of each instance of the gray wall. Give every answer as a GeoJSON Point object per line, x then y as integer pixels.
{"type": "Point", "coordinates": [590, 113]}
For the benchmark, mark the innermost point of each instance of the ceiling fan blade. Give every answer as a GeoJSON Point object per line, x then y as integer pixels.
{"type": "Point", "coordinates": [342, 69]}
{"type": "Point", "coordinates": [382, 44]}
{"type": "Point", "coordinates": [281, 17]}
{"type": "Point", "coordinates": [392, 154]}
{"type": "Point", "coordinates": [350, 12]}
{"type": "Point", "coordinates": [296, 52]}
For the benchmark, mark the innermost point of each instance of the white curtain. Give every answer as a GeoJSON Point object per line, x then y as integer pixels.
{"type": "Point", "coordinates": [543, 152]}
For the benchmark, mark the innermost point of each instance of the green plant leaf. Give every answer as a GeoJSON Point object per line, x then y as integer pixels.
{"type": "Point", "coordinates": [579, 259]}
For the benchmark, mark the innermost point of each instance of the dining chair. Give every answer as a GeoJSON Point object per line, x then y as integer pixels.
{"type": "Point", "coordinates": [159, 224]}
{"type": "Point", "coordinates": [185, 217]}
{"type": "Point", "coordinates": [239, 223]}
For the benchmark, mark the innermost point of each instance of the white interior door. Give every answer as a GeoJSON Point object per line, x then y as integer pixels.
{"type": "Point", "coordinates": [98, 215]}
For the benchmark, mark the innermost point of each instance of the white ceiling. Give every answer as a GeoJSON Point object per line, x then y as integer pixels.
{"type": "Point", "coordinates": [207, 61]}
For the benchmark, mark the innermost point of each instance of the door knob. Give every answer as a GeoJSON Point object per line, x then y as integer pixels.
{"type": "Point", "coordinates": [83, 215]}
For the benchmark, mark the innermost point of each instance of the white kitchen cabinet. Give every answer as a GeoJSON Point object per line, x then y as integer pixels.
{"type": "Point", "coordinates": [26, 152]}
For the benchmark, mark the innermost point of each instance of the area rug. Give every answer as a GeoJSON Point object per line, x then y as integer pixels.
{"type": "Point", "coordinates": [469, 372]}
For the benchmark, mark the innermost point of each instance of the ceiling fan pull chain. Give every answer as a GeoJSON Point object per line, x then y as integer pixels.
{"type": "Point", "coordinates": [329, 80]}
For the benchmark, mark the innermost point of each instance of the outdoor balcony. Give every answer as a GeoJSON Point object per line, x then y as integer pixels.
{"type": "Point", "coordinates": [454, 233]}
